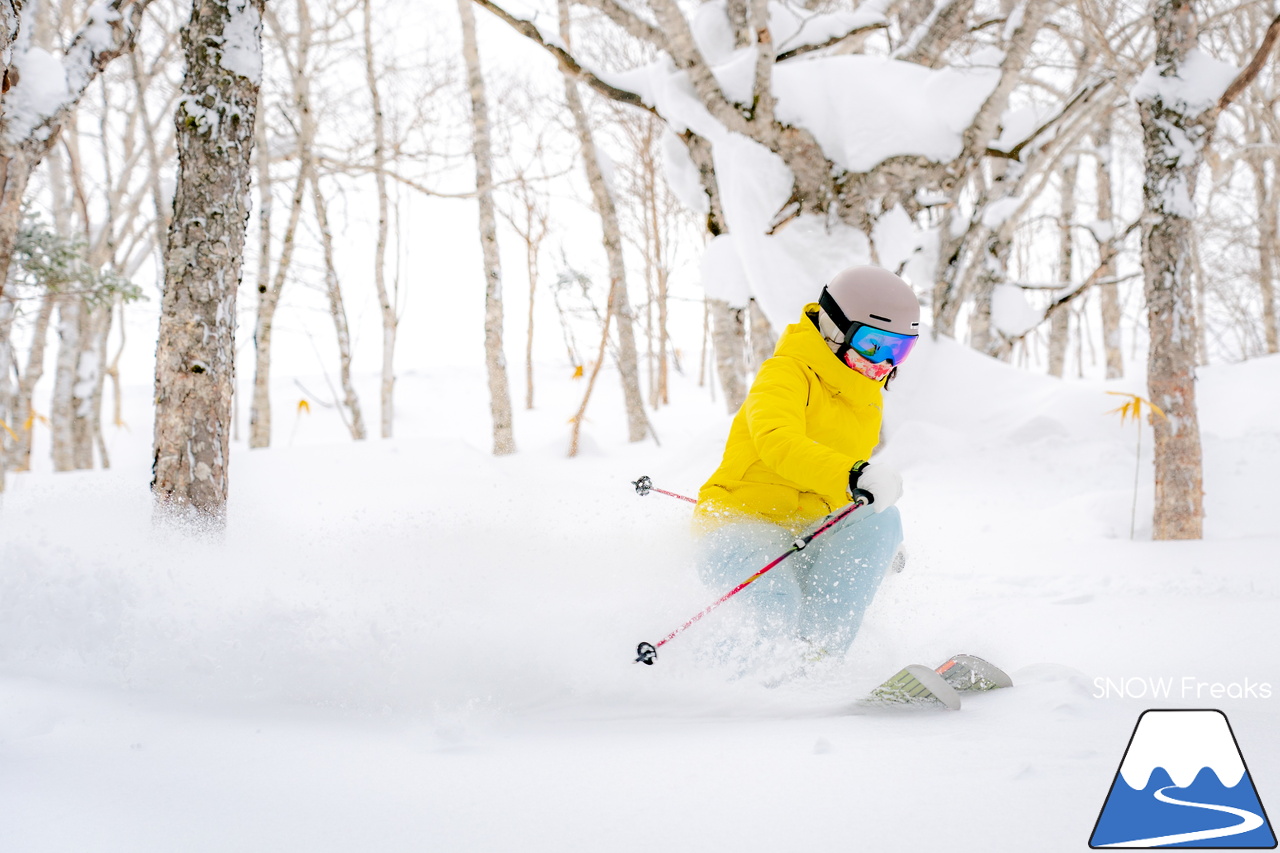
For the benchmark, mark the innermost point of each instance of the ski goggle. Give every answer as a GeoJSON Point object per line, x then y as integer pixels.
{"type": "Point", "coordinates": [877, 345]}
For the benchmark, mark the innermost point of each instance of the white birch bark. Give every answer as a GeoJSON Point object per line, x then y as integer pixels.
{"type": "Point", "coordinates": [195, 356]}
{"type": "Point", "coordinates": [86, 392]}
{"type": "Point", "coordinates": [350, 403]}
{"type": "Point", "coordinates": [270, 289]}
{"type": "Point", "coordinates": [495, 361]}
{"type": "Point", "coordinates": [619, 303]}
{"type": "Point", "coordinates": [61, 409]}
{"type": "Point", "coordinates": [24, 415]}
{"type": "Point", "coordinates": [389, 318]}
{"type": "Point", "coordinates": [1060, 322]}
{"type": "Point", "coordinates": [7, 360]}
{"type": "Point", "coordinates": [1109, 290]}
{"type": "Point", "coordinates": [1268, 238]}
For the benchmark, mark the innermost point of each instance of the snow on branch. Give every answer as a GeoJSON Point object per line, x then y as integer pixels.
{"type": "Point", "coordinates": [48, 87]}
{"type": "Point", "coordinates": [797, 35]}
{"type": "Point", "coordinates": [801, 50]}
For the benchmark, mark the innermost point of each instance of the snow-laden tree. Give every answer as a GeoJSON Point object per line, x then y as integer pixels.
{"type": "Point", "coordinates": [36, 106]}
{"type": "Point", "coordinates": [195, 357]}
{"type": "Point", "coordinates": [811, 140]}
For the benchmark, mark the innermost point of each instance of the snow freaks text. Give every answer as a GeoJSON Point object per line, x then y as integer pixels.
{"type": "Point", "coordinates": [1186, 687]}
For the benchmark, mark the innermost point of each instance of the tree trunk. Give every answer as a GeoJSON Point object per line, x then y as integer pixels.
{"type": "Point", "coordinates": [728, 338]}
{"type": "Point", "coordinates": [531, 244]}
{"type": "Point", "coordinates": [992, 270]}
{"type": "Point", "coordinates": [61, 410]}
{"type": "Point", "coordinates": [103, 316]}
{"type": "Point", "coordinates": [7, 432]}
{"type": "Point", "coordinates": [195, 356]}
{"type": "Point", "coordinates": [260, 405]}
{"type": "Point", "coordinates": [389, 319]}
{"type": "Point", "coordinates": [763, 340]}
{"type": "Point", "coordinates": [1060, 322]}
{"type": "Point", "coordinates": [337, 310]}
{"type": "Point", "coordinates": [1173, 144]}
{"type": "Point", "coordinates": [269, 293]}
{"type": "Point", "coordinates": [1268, 226]}
{"type": "Point", "coordinates": [504, 441]}
{"type": "Point", "coordinates": [10, 22]}
{"type": "Point", "coordinates": [24, 414]}
{"type": "Point", "coordinates": [86, 397]}
{"type": "Point", "coordinates": [1109, 290]}
{"type": "Point", "coordinates": [620, 304]}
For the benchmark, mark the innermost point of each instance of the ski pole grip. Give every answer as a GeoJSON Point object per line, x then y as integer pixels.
{"type": "Point", "coordinates": [643, 485]}
{"type": "Point", "coordinates": [862, 497]}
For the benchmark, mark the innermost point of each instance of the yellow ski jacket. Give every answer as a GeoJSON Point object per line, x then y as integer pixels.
{"type": "Point", "coordinates": [807, 420]}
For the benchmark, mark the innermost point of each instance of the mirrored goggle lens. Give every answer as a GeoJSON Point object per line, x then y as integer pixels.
{"type": "Point", "coordinates": [877, 345]}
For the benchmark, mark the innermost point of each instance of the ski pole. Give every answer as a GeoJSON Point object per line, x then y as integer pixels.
{"type": "Point", "coordinates": [644, 485]}
{"type": "Point", "coordinates": [647, 653]}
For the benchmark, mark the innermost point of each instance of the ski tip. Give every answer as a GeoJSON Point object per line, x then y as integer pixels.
{"type": "Point", "coordinates": [970, 673]}
{"type": "Point", "coordinates": [646, 653]}
{"type": "Point", "coordinates": [916, 685]}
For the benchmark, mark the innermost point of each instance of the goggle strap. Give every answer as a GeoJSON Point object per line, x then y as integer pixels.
{"type": "Point", "coordinates": [828, 303]}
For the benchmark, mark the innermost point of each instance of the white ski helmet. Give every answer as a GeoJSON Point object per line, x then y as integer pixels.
{"type": "Point", "coordinates": [870, 319]}
{"type": "Point", "coordinates": [872, 296]}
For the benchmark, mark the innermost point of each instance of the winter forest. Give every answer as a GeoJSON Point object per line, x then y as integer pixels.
{"type": "Point", "coordinates": [333, 334]}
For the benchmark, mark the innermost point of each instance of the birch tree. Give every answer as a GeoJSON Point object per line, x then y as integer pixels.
{"type": "Point", "coordinates": [1104, 234]}
{"type": "Point", "coordinates": [1177, 121]}
{"type": "Point", "coordinates": [390, 318]}
{"type": "Point", "coordinates": [1060, 324]}
{"type": "Point", "coordinates": [352, 415]}
{"type": "Point", "coordinates": [195, 356]}
{"type": "Point", "coordinates": [823, 189]}
{"type": "Point", "coordinates": [603, 201]}
{"type": "Point", "coordinates": [495, 361]}
{"type": "Point", "coordinates": [30, 120]}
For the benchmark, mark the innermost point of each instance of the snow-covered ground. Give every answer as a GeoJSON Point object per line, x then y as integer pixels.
{"type": "Point", "coordinates": [410, 645]}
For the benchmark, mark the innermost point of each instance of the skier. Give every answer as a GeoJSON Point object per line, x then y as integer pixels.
{"type": "Point", "coordinates": [799, 448]}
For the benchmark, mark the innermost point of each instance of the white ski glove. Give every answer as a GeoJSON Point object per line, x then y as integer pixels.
{"type": "Point", "coordinates": [878, 483]}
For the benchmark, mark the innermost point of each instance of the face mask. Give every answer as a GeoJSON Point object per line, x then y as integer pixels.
{"type": "Point", "coordinates": [872, 370]}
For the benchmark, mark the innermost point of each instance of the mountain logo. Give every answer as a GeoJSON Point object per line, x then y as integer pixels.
{"type": "Point", "coordinates": [1183, 783]}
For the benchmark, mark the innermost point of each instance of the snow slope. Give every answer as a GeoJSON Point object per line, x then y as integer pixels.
{"type": "Point", "coordinates": [411, 645]}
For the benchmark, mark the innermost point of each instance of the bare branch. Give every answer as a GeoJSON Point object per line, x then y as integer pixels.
{"type": "Point", "coordinates": [1079, 99]}
{"type": "Point", "coordinates": [567, 63]}
{"type": "Point", "coordinates": [1097, 277]}
{"type": "Point", "coordinates": [831, 42]}
{"type": "Point", "coordinates": [627, 20]}
{"type": "Point", "coordinates": [1245, 77]}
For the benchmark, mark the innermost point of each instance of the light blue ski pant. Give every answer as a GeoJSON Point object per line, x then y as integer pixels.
{"type": "Point", "coordinates": [818, 595]}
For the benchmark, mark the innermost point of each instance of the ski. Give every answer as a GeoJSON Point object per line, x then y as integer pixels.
{"type": "Point", "coordinates": [915, 685]}
{"type": "Point", "coordinates": [940, 688]}
{"type": "Point", "coordinates": [972, 674]}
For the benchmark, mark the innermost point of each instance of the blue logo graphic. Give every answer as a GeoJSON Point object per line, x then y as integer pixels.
{"type": "Point", "coordinates": [1183, 783]}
